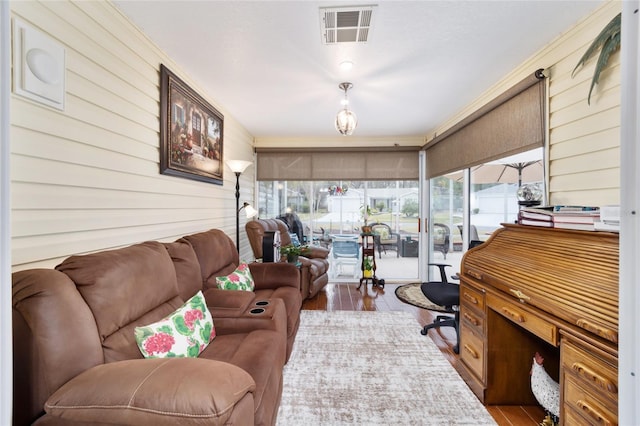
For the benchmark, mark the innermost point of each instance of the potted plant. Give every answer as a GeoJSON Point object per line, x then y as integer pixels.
{"type": "Point", "coordinates": [365, 212]}
{"type": "Point", "coordinates": [367, 265]}
{"type": "Point", "coordinates": [292, 252]}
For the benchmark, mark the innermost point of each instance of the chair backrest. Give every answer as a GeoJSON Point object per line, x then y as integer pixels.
{"type": "Point", "coordinates": [345, 249]}
{"type": "Point", "coordinates": [255, 232]}
{"type": "Point", "coordinates": [441, 234]}
{"type": "Point", "coordinates": [381, 229]}
{"type": "Point", "coordinates": [473, 231]}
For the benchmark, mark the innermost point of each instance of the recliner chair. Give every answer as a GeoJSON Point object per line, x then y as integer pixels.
{"type": "Point", "coordinates": [314, 265]}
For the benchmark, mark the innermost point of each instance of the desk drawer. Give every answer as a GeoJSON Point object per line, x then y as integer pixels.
{"type": "Point", "coordinates": [590, 371]}
{"type": "Point", "coordinates": [472, 298]}
{"type": "Point", "coordinates": [579, 401]}
{"type": "Point", "coordinates": [472, 350]}
{"type": "Point", "coordinates": [538, 326]}
{"type": "Point", "coordinates": [472, 319]}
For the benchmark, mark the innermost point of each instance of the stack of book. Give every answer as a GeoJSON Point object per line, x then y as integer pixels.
{"type": "Point", "coordinates": [609, 219]}
{"type": "Point", "coordinates": [568, 217]}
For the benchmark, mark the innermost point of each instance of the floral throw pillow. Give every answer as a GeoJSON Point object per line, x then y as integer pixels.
{"type": "Point", "coordinates": [184, 333]}
{"type": "Point", "coordinates": [240, 279]}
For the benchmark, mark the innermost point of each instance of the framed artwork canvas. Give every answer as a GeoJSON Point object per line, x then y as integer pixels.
{"type": "Point", "coordinates": [191, 132]}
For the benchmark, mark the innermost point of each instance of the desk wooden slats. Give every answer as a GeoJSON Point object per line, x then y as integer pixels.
{"type": "Point", "coordinates": [569, 274]}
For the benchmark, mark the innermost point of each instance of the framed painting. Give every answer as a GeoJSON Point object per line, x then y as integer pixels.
{"type": "Point", "coordinates": [191, 132]}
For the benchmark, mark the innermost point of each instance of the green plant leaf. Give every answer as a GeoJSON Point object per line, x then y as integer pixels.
{"type": "Point", "coordinates": [608, 32]}
{"type": "Point", "coordinates": [608, 48]}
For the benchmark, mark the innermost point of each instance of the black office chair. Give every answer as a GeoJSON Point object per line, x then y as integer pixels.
{"type": "Point", "coordinates": [445, 294]}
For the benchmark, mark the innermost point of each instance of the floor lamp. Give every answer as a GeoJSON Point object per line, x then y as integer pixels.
{"type": "Point", "coordinates": [237, 167]}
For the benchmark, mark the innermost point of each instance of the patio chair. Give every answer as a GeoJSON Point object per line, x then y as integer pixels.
{"type": "Point", "coordinates": [385, 238]}
{"type": "Point", "coordinates": [441, 238]}
{"type": "Point", "coordinates": [473, 233]}
{"type": "Point", "coordinates": [344, 252]}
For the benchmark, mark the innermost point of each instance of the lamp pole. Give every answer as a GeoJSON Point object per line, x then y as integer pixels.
{"type": "Point", "coordinates": [238, 211]}
{"type": "Point", "coordinates": [237, 167]}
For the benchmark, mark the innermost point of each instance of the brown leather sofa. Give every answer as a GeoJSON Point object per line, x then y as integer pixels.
{"type": "Point", "coordinates": [76, 360]}
{"type": "Point", "coordinates": [314, 264]}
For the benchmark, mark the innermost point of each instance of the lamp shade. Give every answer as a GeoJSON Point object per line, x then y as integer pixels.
{"type": "Point", "coordinates": [238, 166]}
{"type": "Point", "coordinates": [346, 122]}
{"type": "Point", "coordinates": [250, 211]}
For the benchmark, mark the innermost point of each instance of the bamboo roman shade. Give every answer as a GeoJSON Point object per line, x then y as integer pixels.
{"type": "Point", "coordinates": [337, 164]}
{"type": "Point", "coordinates": [513, 122]}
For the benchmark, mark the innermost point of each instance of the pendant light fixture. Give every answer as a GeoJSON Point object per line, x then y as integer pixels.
{"type": "Point", "coordinates": [346, 121]}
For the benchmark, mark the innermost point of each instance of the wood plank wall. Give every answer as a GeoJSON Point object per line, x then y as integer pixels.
{"type": "Point", "coordinates": [87, 178]}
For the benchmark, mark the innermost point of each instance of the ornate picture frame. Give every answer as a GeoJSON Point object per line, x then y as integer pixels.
{"type": "Point", "coordinates": [191, 132]}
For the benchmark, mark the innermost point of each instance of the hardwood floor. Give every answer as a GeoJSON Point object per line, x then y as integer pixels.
{"type": "Point", "coordinates": [346, 297]}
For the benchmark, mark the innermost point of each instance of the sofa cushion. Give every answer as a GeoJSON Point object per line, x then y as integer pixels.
{"type": "Point", "coordinates": [187, 267]}
{"type": "Point", "coordinates": [184, 333]}
{"type": "Point", "coordinates": [216, 254]}
{"type": "Point", "coordinates": [125, 288]}
{"type": "Point", "coordinates": [240, 279]}
{"type": "Point", "coordinates": [261, 353]}
{"type": "Point", "coordinates": [153, 392]}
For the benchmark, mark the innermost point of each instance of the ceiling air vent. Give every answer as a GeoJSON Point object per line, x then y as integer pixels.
{"type": "Point", "coordinates": [346, 24]}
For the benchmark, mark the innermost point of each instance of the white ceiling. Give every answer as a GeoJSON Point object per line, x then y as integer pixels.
{"type": "Point", "coordinates": [265, 63]}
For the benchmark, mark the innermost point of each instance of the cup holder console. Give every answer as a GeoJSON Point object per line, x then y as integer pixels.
{"type": "Point", "coordinates": [256, 311]}
{"type": "Point", "coordinates": [262, 303]}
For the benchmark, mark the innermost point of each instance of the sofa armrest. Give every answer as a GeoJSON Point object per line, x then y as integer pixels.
{"type": "Point", "coordinates": [181, 391]}
{"type": "Point", "coordinates": [316, 252]}
{"type": "Point", "coordinates": [228, 299]}
{"type": "Point", "coordinates": [274, 275]}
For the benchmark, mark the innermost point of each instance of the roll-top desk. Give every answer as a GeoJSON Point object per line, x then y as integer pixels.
{"type": "Point", "coordinates": [530, 289]}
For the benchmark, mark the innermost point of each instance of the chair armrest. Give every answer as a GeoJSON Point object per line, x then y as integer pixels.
{"type": "Point", "coordinates": [443, 274]}
{"type": "Point", "coordinates": [316, 252]}
{"type": "Point", "coordinates": [184, 391]}
{"type": "Point", "coordinates": [274, 275]}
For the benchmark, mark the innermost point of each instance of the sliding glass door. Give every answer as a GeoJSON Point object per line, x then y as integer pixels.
{"type": "Point", "coordinates": [337, 210]}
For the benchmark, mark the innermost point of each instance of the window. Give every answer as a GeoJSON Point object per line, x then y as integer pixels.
{"type": "Point", "coordinates": [337, 209]}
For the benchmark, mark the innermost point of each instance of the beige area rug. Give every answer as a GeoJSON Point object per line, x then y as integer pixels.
{"type": "Point", "coordinates": [372, 368]}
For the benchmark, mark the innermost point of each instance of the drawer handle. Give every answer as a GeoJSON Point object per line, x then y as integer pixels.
{"type": "Point", "coordinates": [610, 335]}
{"type": "Point", "coordinates": [594, 377]}
{"type": "Point", "coordinates": [593, 413]}
{"type": "Point", "coordinates": [520, 295]}
{"type": "Point", "coordinates": [471, 298]}
{"type": "Point", "coordinates": [474, 274]}
{"type": "Point", "coordinates": [513, 315]}
{"type": "Point", "coordinates": [473, 320]}
{"type": "Point", "coordinates": [473, 353]}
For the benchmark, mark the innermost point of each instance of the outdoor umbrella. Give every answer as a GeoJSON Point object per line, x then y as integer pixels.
{"type": "Point", "coordinates": [519, 168]}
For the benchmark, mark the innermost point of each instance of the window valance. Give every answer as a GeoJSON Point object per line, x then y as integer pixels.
{"type": "Point", "coordinates": [397, 163]}
{"type": "Point", "coordinates": [511, 123]}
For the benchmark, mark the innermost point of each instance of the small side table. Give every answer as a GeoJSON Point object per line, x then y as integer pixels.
{"type": "Point", "coordinates": [369, 252]}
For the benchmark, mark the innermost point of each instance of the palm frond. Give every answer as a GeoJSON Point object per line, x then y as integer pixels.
{"type": "Point", "coordinates": [607, 49]}
{"type": "Point", "coordinates": [612, 28]}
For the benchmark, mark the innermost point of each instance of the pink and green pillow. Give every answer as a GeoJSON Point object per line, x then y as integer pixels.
{"type": "Point", "coordinates": [240, 279]}
{"type": "Point", "coordinates": [184, 333]}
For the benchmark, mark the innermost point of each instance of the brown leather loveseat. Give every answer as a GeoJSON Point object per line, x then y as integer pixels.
{"type": "Point", "coordinates": [76, 360]}
{"type": "Point", "coordinates": [314, 264]}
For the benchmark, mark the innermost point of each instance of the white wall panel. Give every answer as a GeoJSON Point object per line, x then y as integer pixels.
{"type": "Point", "coordinates": [87, 178]}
